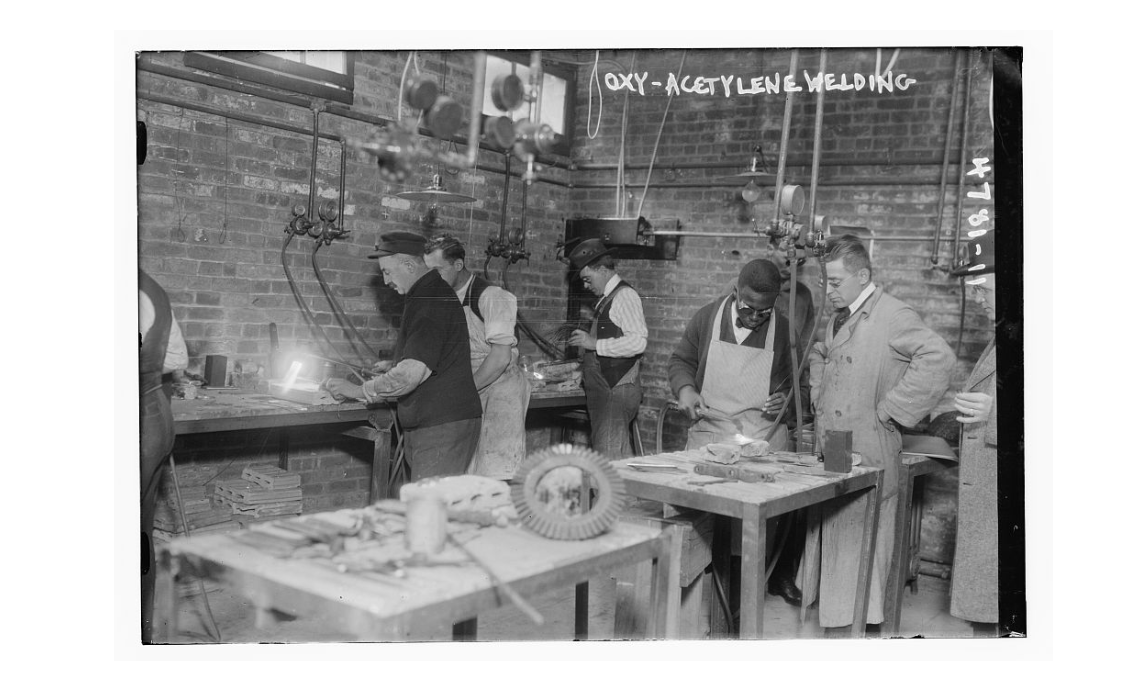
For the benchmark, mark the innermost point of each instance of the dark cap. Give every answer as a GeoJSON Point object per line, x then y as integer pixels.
{"type": "Point", "coordinates": [980, 259]}
{"type": "Point", "coordinates": [587, 252]}
{"type": "Point", "coordinates": [398, 242]}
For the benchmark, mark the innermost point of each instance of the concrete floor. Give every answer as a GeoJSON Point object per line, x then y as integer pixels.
{"type": "Point", "coordinates": [924, 614]}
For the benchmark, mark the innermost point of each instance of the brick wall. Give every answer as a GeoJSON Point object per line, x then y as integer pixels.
{"type": "Point", "coordinates": [878, 154]}
{"type": "Point", "coordinates": [215, 197]}
{"type": "Point", "coordinates": [228, 284]}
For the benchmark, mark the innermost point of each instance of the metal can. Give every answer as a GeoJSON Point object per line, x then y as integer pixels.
{"type": "Point", "coordinates": [426, 523]}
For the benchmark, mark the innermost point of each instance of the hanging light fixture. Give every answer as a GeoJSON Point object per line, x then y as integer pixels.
{"type": "Point", "coordinates": [435, 193]}
{"type": "Point", "coordinates": [752, 191]}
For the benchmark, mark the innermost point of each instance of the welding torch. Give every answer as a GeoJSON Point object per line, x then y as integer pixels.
{"type": "Point", "coordinates": [358, 371]}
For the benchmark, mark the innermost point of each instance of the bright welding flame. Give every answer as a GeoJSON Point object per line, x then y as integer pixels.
{"type": "Point", "coordinates": [741, 439]}
{"type": "Point", "coordinates": [292, 374]}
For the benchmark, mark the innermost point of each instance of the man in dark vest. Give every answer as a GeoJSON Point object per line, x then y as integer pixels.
{"type": "Point", "coordinates": [437, 405]}
{"type": "Point", "coordinates": [161, 351]}
{"type": "Point", "coordinates": [611, 349]}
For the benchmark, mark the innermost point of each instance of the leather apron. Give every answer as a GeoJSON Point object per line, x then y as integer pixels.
{"type": "Point", "coordinates": [736, 384]}
{"type": "Point", "coordinates": [504, 403]}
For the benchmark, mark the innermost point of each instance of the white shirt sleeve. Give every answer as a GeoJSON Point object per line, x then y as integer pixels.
{"type": "Point", "coordinates": [176, 355]}
{"type": "Point", "coordinates": [176, 358]}
{"type": "Point", "coordinates": [498, 306]}
{"type": "Point", "coordinates": [627, 313]}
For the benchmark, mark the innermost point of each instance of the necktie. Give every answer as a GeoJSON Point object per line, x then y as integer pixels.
{"type": "Point", "coordinates": [840, 319]}
{"type": "Point", "coordinates": [740, 325]}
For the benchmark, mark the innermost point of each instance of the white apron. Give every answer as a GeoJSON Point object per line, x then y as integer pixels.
{"type": "Point", "coordinates": [736, 384]}
{"type": "Point", "coordinates": [504, 404]}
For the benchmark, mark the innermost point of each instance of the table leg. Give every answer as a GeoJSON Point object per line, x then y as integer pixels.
{"type": "Point", "coordinates": [810, 568]}
{"type": "Point", "coordinates": [866, 559]}
{"type": "Point", "coordinates": [581, 625]}
{"type": "Point", "coordinates": [166, 611]}
{"type": "Point", "coordinates": [721, 627]}
{"type": "Point", "coordinates": [899, 558]}
{"type": "Point", "coordinates": [465, 630]}
{"type": "Point", "coordinates": [665, 575]}
{"type": "Point", "coordinates": [382, 450]}
{"type": "Point", "coordinates": [283, 449]}
{"type": "Point", "coordinates": [913, 564]}
{"type": "Point", "coordinates": [753, 575]}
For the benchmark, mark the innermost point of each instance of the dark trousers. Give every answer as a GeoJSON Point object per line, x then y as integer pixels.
{"type": "Point", "coordinates": [442, 450]}
{"type": "Point", "coordinates": [157, 437]}
{"type": "Point", "coordinates": [611, 412]}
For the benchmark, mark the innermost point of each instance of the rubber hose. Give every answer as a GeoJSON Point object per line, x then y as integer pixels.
{"type": "Point", "coordinates": [343, 320]}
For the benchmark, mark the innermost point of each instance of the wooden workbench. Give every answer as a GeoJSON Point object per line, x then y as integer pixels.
{"type": "Point", "coordinates": [371, 606]}
{"type": "Point", "coordinates": [231, 410]}
{"type": "Point", "coordinates": [754, 504]}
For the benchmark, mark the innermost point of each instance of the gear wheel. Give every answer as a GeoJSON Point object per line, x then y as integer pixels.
{"type": "Point", "coordinates": [537, 517]}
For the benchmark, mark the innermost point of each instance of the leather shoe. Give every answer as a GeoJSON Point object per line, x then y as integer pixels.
{"type": "Point", "coordinates": [784, 587]}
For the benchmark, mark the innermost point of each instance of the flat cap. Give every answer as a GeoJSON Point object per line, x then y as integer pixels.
{"type": "Point", "coordinates": [398, 242]}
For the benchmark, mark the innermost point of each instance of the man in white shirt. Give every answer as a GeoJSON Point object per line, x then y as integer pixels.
{"type": "Point", "coordinates": [611, 349]}
{"type": "Point", "coordinates": [490, 313]}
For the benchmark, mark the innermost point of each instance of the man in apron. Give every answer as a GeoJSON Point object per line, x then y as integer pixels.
{"type": "Point", "coordinates": [490, 313]}
{"type": "Point", "coordinates": [973, 591]}
{"type": "Point", "coordinates": [730, 373]}
{"type": "Point", "coordinates": [879, 369]}
{"type": "Point", "coordinates": [611, 350]}
{"type": "Point", "coordinates": [161, 351]}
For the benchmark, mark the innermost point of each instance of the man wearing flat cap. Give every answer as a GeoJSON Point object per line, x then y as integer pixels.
{"type": "Point", "coordinates": [438, 409]}
{"type": "Point", "coordinates": [611, 349]}
{"type": "Point", "coordinates": [973, 591]}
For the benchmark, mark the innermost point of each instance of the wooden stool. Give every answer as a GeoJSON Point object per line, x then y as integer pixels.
{"type": "Point", "coordinates": [905, 560]}
{"type": "Point", "coordinates": [691, 535]}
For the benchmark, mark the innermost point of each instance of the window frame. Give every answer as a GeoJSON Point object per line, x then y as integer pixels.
{"type": "Point", "coordinates": [283, 73]}
{"type": "Point", "coordinates": [563, 145]}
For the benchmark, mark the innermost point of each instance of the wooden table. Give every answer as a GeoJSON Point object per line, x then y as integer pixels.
{"type": "Point", "coordinates": [904, 563]}
{"type": "Point", "coordinates": [753, 504]}
{"type": "Point", "coordinates": [368, 606]}
{"type": "Point", "coordinates": [232, 410]}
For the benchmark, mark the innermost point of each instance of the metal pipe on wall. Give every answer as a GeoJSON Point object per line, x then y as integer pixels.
{"type": "Point", "coordinates": [475, 105]}
{"type": "Point", "coordinates": [964, 154]}
{"type": "Point", "coordinates": [796, 374]}
{"type": "Point", "coordinates": [254, 120]}
{"type": "Point", "coordinates": [835, 162]}
{"type": "Point", "coordinates": [945, 158]}
{"type": "Point", "coordinates": [752, 234]}
{"type": "Point", "coordinates": [233, 115]}
{"type": "Point", "coordinates": [787, 114]}
{"type": "Point", "coordinates": [504, 197]}
{"type": "Point", "coordinates": [961, 194]}
{"type": "Point", "coordinates": [903, 181]}
{"type": "Point", "coordinates": [313, 166]}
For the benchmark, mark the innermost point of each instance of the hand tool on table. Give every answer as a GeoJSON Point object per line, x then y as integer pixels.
{"type": "Point", "coordinates": [811, 470]}
{"type": "Point", "coordinates": [708, 413]}
{"type": "Point", "coordinates": [646, 466]}
{"type": "Point", "coordinates": [735, 473]}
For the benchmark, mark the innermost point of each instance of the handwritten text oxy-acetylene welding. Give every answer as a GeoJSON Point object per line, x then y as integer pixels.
{"type": "Point", "coordinates": [727, 85]}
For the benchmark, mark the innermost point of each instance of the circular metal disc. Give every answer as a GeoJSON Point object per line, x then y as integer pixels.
{"type": "Point", "coordinates": [533, 511]}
